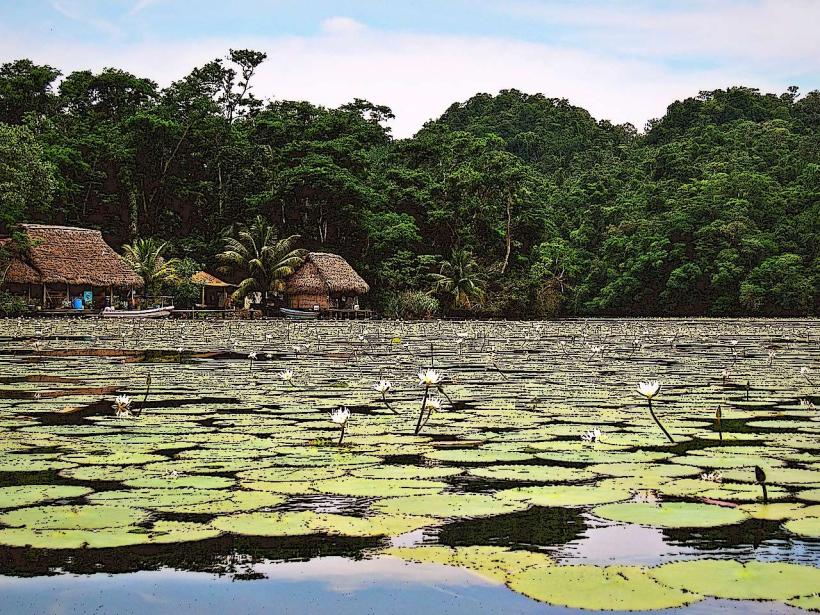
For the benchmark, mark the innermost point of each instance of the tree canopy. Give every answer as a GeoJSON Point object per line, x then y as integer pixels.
{"type": "Point", "coordinates": [712, 209]}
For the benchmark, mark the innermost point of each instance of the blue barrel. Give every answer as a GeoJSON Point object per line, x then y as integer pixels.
{"type": "Point", "coordinates": [77, 304]}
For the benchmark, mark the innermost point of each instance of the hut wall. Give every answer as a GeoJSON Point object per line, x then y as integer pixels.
{"type": "Point", "coordinates": [306, 302]}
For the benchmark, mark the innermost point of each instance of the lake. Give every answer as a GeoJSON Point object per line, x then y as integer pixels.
{"type": "Point", "coordinates": [499, 467]}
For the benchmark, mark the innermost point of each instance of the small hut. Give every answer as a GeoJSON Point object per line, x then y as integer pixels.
{"type": "Point", "coordinates": [324, 280]}
{"type": "Point", "coordinates": [214, 291]}
{"type": "Point", "coordinates": [64, 263]}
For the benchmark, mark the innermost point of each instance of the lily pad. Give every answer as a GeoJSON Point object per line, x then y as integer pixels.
{"type": "Point", "coordinates": [671, 514]}
{"type": "Point", "coordinates": [449, 505]}
{"type": "Point", "coordinates": [734, 580]}
{"type": "Point", "coordinates": [565, 495]}
{"type": "Point", "coordinates": [26, 495]}
{"type": "Point", "coordinates": [81, 517]}
{"type": "Point", "coordinates": [536, 473]}
{"type": "Point", "coordinates": [611, 588]}
{"type": "Point", "coordinates": [468, 455]}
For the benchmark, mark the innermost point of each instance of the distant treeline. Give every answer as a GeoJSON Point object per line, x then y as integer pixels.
{"type": "Point", "coordinates": [714, 209]}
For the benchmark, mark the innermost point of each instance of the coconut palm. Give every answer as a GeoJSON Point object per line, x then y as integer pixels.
{"type": "Point", "coordinates": [263, 260]}
{"type": "Point", "coordinates": [461, 279]}
{"type": "Point", "coordinates": [145, 256]}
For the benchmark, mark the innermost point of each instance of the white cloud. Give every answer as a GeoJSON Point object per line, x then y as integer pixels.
{"type": "Point", "coordinates": [775, 32]}
{"type": "Point", "coordinates": [417, 75]}
{"type": "Point", "coordinates": [341, 25]}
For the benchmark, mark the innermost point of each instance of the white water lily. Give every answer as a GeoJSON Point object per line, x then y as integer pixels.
{"type": "Point", "coordinates": [712, 477]}
{"type": "Point", "coordinates": [340, 415]}
{"type": "Point", "coordinates": [122, 406]}
{"type": "Point", "coordinates": [286, 375]}
{"type": "Point", "coordinates": [593, 435]}
{"type": "Point", "coordinates": [807, 404]}
{"type": "Point", "coordinates": [649, 389]}
{"type": "Point", "coordinates": [252, 355]}
{"type": "Point", "coordinates": [383, 386]}
{"type": "Point", "coordinates": [434, 404]}
{"type": "Point", "coordinates": [429, 377]}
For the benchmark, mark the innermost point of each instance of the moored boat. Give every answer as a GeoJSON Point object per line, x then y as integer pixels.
{"type": "Point", "coordinates": [299, 314]}
{"type": "Point", "coordinates": [159, 312]}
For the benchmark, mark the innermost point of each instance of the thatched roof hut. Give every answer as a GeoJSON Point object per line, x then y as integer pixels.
{"type": "Point", "coordinates": [326, 280]}
{"type": "Point", "coordinates": [203, 278]}
{"type": "Point", "coordinates": [70, 256]}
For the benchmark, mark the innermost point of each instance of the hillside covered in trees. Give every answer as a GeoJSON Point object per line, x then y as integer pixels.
{"type": "Point", "coordinates": [713, 209]}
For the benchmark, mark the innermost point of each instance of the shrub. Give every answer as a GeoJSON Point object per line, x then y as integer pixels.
{"type": "Point", "coordinates": [11, 305]}
{"type": "Point", "coordinates": [410, 305]}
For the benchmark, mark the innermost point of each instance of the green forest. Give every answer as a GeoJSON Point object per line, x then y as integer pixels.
{"type": "Point", "coordinates": [515, 205]}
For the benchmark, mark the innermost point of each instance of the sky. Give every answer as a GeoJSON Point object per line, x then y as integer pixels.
{"type": "Point", "coordinates": [624, 61]}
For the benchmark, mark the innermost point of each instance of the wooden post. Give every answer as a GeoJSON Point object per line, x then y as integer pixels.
{"type": "Point", "coordinates": [203, 295]}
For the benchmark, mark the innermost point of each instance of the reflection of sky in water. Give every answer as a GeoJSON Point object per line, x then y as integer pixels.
{"type": "Point", "coordinates": [606, 543]}
{"type": "Point", "coordinates": [331, 585]}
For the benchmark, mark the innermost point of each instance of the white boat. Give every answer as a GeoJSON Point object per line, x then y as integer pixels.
{"type": "Point", "coordinates": [299, 314]}
{"type": "Point", "coordinates": [159, 312]}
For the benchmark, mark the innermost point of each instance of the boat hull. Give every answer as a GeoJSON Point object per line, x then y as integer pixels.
{"type": "Point", "coordinates": [299, 314]}
{"type": "Point", "coordinates": [160, 312]}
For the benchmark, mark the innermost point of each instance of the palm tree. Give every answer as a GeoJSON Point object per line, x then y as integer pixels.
{"type": "Point", "coordinates": [264, 260]}
{"type": "Point", "coordinates": [146, 258]}
{"type": "Point", "coordinates": [461, 279]}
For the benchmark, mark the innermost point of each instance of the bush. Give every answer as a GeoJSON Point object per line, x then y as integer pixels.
{"type": "Point", "coordinates": [11, 305]}
{"type": "Point", "coordinates": [411, 305]}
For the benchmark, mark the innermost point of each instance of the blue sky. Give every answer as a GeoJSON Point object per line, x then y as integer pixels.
{"type": "Point", "coordinates": [624, 61]}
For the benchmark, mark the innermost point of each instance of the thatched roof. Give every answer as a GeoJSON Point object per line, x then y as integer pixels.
{"type": "Point", "coordinates": [67, 255]}
{"type": "Point", "coordinates": [325, 273]}
{"type": "Point", "coordinates": [203, 278]}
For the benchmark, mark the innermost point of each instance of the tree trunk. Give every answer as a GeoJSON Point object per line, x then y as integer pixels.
{"type": "Point", "coordinates": [508, 238]}
{"type": "Point", "coordinates": [134, 214]}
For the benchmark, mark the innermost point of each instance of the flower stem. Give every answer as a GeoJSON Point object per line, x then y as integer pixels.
{"type": "Point", "coordinates": [342, 434]}
{"type": "Point", "coordinates": [441, 390]}
{"type": "Point", "coordinates": [423, 406]}
{"type": "Point", "coordinates": [386, 403]}
{"type": "Point", "coordinates": [765, 493]}
{"type": "Point", "coordinates": [663, 429]}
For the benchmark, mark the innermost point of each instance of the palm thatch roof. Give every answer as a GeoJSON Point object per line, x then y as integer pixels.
{"type": "Point", "coordinates": [203, 278]}
{"type": "Point", "coordinates": [324, 273]}
{"type": "Point", "coordinates": [68, 255]}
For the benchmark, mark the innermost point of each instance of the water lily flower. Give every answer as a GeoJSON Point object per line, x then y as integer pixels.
{"type": "Point", "coordinates": [593, 435]}
{"type": "Point", "coordinates": [712, 477]}
{"type": "Point", "coordinates": [383, 386]}
{"type": "Point", "coordinates": [807, 404]}
{"type": "Point", "coordinates": [434, 404]}
{"type": "Point", "coordinates": [286, 376]}
{"type": "Point", "coordinates": [252, 355]}
{"type": "Point", "coordinates": [649, 389]}
{"type": "Point", "coordinates": [122, 406]}
{"type": "Point", "coordinates": [429, 377]}
{"type": "Point", "coordinates": [340, 416]}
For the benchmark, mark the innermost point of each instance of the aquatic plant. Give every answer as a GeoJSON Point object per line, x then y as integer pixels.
{"type": "Point", "coordinates": [383, 387]}
{"type": "Point", "coordinates": [760, 477]}
{"type": "Point", "coordinates": [340, 416]}
{"type": "Point", "coordinates": [650, 390]}
{"type": "Point", "coordinates": [286, 376]}
{"type": "Point", "coordinates": [592, 436]}
{"type": "Point", "coordinates": [122, 406]}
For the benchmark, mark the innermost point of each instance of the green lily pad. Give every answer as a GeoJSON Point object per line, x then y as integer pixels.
{"type": "Point", "coordinates": [378, 487]}
{"type": "Point", "coordinates": [82, 517]}
{"type": "Point", "coordinates": [773, 511]}
{"type": "Point", "coordinates": [285, 474]}
{"type": "Point", "coordinates": [494, 563]}
{"type": "Point", "coordinates": [193, 481]}
{"type": "Point", "coordinates": [305, 523]}
{"type": "Point", "coordinates": [26, 495]}
{"type": "Point", "coordinates": [731, 579]}
{"type": "Point", "coordinates": [671, 514]}
{"type": "Point", "coordinates": [545, 474]}
{"type": "Point", "coordinates": [611, 588]}
{"type": "Point", "coordinates": [446, 505]}
{"type": "Point", "coordinates": [155, 499]}
{"type": "Point", "coordinates": [807, 526]}
{"type": "Point", "coordinates": [468, 455]}
{"type": "Point", "coordinates": [239, 501]}
{"type": "Point", "coordinates": [402, 471]}
{"type": "Point", "coordinates": [565, 495]}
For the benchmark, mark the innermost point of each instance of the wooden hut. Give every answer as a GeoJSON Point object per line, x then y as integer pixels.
{"type": "Point", "coordinates": [64, 263]}
{"type": "Point", "coordinates": [214, 291]}
{"type": "Point", "coordinates": [324, 280]}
